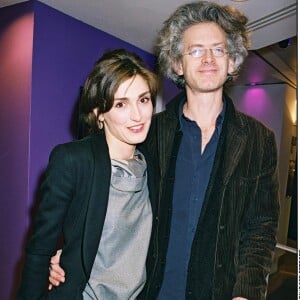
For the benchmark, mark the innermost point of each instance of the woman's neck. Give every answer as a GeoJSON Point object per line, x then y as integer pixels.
{"type": "Point", "coordinates": [118, 152]}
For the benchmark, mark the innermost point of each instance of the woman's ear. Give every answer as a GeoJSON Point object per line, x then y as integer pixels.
{"type": "Point", "coordinates": [100, 117]}
{"type": "Point", "coordinates": [95, 111]}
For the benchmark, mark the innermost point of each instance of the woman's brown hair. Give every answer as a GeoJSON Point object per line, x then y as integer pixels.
{"type": "Point", "coordinates": [113, 68]}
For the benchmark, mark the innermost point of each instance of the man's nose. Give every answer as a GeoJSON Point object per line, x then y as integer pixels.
{"type": "Point", "coordinates": [207, 56]}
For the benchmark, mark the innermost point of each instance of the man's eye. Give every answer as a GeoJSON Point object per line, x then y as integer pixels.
{"type": "Point", "coordinates": [218, 51]}
{"type": "Point", "coordinates": [197, 52]}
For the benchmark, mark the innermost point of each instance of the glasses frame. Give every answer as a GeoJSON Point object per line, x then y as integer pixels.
{"type": "Point", "coordinates": [204, 50]}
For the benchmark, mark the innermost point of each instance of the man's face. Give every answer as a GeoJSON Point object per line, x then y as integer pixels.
{"type": "Point", "coordinates": [208, 72]}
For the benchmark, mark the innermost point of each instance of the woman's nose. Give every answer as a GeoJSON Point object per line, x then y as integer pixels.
{"type": "Point", "coordinates": [135, 113]}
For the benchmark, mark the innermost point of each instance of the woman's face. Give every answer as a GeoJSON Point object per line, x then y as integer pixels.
{"type": "Point", "coordinates": [127, 122]}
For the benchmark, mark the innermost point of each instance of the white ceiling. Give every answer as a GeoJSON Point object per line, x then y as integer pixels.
{"type": "Point", "coordinates": [137, 21]}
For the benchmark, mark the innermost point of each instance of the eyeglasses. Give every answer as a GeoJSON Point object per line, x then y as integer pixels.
{"type": "Point", "coordinates": [199, 52]}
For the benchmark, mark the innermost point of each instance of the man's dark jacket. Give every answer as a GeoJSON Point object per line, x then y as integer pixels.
{"type": "Point", "coordinates": [232, 250]}
{"type": "Point", "coordinates": [74, 201]}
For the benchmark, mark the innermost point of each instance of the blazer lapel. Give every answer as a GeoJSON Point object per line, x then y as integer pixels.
{"type": "Point", "coordinates": [235, 143]}
{"type": "Point", "coordinates": [97, 202]}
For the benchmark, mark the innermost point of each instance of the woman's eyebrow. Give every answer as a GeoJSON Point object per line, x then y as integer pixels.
{"type": "Point", "coordinates": [141, 95]}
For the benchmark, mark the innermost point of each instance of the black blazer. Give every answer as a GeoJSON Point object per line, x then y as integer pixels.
{"type": "Point", "coordinates": [235, 238]}
{"type": "Point", "coordinates": [74, 202]}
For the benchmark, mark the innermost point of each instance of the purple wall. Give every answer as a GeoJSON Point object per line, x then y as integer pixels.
{"type": "Point", "coordinates": [16, 27]}
{"type": "Point", "coordinates": [64, 52]}
{"type": "Point", "coordinates": [258, 102]}
{"type": "Point", "coordinates": [40, 77]}
{"type": "Point", "coordinates": [42, 69]}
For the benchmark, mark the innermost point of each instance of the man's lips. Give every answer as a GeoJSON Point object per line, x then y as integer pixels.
{"type": "Point", "coordinates": [204, 71]}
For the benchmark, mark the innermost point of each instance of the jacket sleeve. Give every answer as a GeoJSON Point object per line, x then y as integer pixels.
{"type": "Point", "coordinates": [56, 194]}
{"type": "Point", "coordinates": [258, 237]}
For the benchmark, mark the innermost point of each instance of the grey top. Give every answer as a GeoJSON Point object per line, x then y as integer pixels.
{"type": "Point", "coordinates": [119, 270]}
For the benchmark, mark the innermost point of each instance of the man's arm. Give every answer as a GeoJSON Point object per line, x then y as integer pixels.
{"type": "Point", "coordinates": [258, 238]}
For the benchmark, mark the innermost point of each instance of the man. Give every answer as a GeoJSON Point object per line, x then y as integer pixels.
{"type": "Point", "coordinates": [215, 230]}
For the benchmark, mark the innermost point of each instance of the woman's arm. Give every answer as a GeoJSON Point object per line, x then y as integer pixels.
{"type": "Point", "coordinates": [56, 194]}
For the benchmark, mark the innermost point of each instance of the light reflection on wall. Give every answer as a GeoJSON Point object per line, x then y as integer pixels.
{"type": "Point", "coordinates": [265, 103]}
{"type": "Point", "coordinates": [16, 39]}
{"type": "Point", "coordinates": [256, 102]}
{"type": "Point", "coordinates": [292, 108]}
{"type": "Point", "coordinates": [15, 53]}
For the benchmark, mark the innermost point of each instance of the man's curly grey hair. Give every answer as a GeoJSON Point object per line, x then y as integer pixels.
{"type": "Point", "coordinates": [169, 41]}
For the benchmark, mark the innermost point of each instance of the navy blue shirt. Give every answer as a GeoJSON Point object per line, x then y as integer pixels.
{"type": "Point", "coordinates": [191, 179]}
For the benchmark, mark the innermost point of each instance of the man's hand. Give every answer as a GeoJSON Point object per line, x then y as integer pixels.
{"type": "Point", "coordinates": [56, 273]}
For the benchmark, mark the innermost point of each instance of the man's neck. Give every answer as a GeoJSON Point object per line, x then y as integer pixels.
{"type": "Point", "coordinates": [203, 108]}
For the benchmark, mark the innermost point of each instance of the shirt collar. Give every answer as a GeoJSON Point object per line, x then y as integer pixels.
{"type": "Point", "coordinates": [219, 121]}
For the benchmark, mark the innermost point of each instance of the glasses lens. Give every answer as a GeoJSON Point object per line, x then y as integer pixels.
{"type": "Point", "coordinates": [199, 52]}
{"type": "Point", "coordinates": [218, 51]}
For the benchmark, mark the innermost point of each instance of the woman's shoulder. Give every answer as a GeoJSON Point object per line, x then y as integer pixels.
{"type": "Point", "coordinates": [80, 149]}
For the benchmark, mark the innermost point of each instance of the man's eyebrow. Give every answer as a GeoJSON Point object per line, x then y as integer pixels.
{"type": "Point", "coordinates": [213, 44]}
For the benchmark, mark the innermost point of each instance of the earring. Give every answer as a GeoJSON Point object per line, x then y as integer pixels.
{"type": "Point", "coordinates": [100, 124]}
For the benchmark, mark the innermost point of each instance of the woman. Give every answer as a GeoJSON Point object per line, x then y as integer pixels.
{"type": "Point", "coordinates": [97, 193]}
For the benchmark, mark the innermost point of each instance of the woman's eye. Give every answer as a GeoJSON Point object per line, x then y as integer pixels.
{"type": "Point", "coordinates": [119, 104]}
{"type": "Point", "coordinates": [145, 100]}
